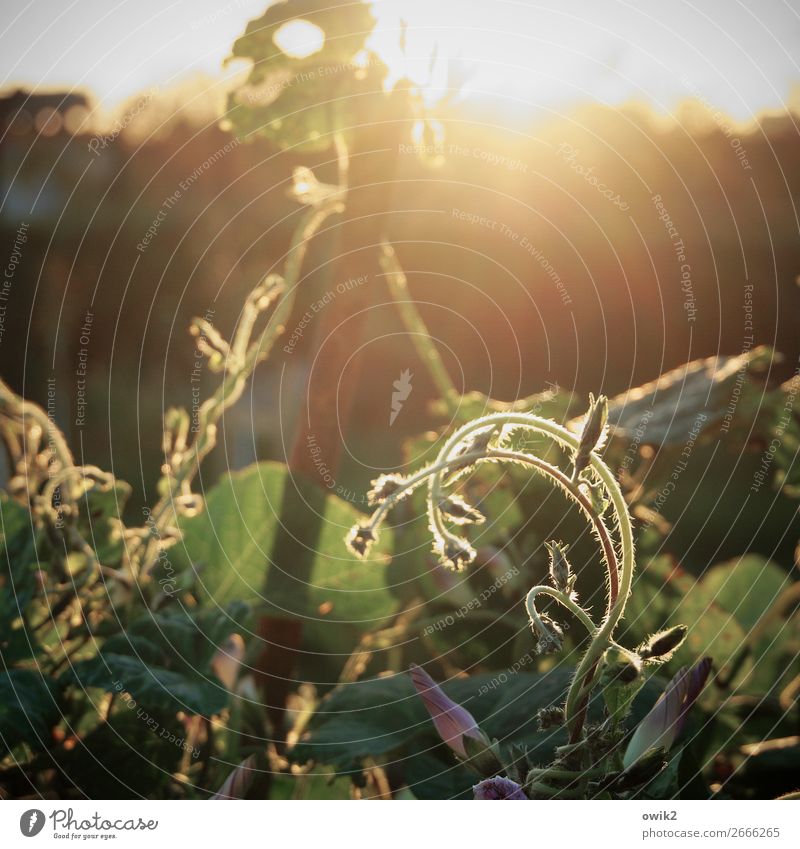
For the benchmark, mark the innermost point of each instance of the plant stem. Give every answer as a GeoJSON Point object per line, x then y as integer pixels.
{"type": "Point", "coordinates": [542, 466]}
{"type": "Point", "coordinates": [331, 388]}
{"type": "Point", "coordinates": [420, 477]}
{"type": "Point", "coordinates": [234, 380]}
{"type": "Point", "coordinates": [562, 599]}
{"type": "Point", "coordinates": [568, 486]}
{"type": "Point", "coordinates": [580, 688]}
{"type": "Point", "coordinates": [567, 774]}
{"type": "Point", "coordinates": [550, 792]}
{"type": "Point", "coordinates": [418, 330]}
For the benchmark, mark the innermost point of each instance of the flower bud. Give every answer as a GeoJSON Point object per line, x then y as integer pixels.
{"type": "Point", "coordinates": [480, 440]}
{"type": "Point", "coordinates": [561, 575]}
{"type": "Point", "coordinates": [620, 666]}
{"type": "Point", "coordinates": [498, 788]}
{"type": "Point", "coordinates": [383, 487]}
{"type": "Point", "coordinates": [550, 717]}
{"type": "Point", "coordinates": [662, 644]}
{"type": "Point", "coordinates": [459, 512]}
{"type": "Point", "coordinates": [593, 434]}
{"type": "Point", "coordinates": [662, 726]}
{"type": "Point", "coordinates": [550, 634]}
{"type": "Point", "coordinates": [452, 721]}
{"type": "Point", "coordinates": [596, 493]}
{"type": "Point", "coordinates": [457, 553]}
{"type": "Point", "coordinates": [360, 539]}
{"type": "Point", "coordinates": [307, 189]}
{"type": "Point", "coordinates": [482, 756]}
{"type": "Point", "coordinates": [239, 782]}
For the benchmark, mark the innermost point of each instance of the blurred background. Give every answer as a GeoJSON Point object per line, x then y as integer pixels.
{"type": "Point", "coordinates": [524, 214]}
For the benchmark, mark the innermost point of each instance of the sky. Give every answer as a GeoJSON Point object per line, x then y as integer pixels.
{"type": "Point", "coordinates": [740, 56]}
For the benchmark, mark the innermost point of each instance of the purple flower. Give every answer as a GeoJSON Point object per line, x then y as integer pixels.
{"type": "Point", "coordinates": [227, 661]}
{"type": "Point", "coordinates": [498, 788]}
{"type": "Point", "coordinates": [452, 721]}
{"type": "Point", "coordinates": [239, 781]}
{"type": "Point", "coordinates": [665, 722]}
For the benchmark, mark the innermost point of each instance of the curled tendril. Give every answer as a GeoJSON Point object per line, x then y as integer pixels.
{"type": "Point", "coordinates": [504, 437]}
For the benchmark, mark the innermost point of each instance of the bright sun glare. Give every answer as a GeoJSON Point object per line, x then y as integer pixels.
{"type": "Point", "coordinates": [531, 55]}
{"type": "Point", "coordinates": [527, 54]}
{"type": "Point", "coordinates": [299, 39]}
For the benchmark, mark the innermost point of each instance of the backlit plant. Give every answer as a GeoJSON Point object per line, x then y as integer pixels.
{"type": "Point", "coordinates": [123, 636]}
{"type": "Point", "coordinates": [593, 761]}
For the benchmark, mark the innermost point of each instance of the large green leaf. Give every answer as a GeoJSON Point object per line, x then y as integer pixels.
{"type": "Point", "coordinates": [298, 102]}
{"type": "Point", "coordinates": [721, 610]}
{"type": "Point", "coordinates": [747, 587]}
{"type": "Point", "coordinates": [665, 595]}
{"type": "Point", "coordinates": [429, 775]}
{"type": "Point", "coordinates": [553, 403]}
{"type": "Point", "coordinates": [689, 398]}
{"type": "Point", "coordinates": [99, 521]}
{"type": "Point", "coordinates": [163, 660]}
{"type": "Point", "coordinates": [230, 543]}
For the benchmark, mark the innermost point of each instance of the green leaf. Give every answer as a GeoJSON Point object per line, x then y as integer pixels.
{"type": "Point", "coordinates": [619, 698]}
{"type": "Point", "coordinates": [28, 708]}
{"type": "Point", "coordinates": [713, 630]}
{"type": "Point", "coordinates": [664, 595]}
{"type": "Point", "coordinates": [132, 755]}
{"type": "Point", "coordinates": [680, 779]}
{"type": "Point", "coordinates": [18, 564]}
{"type": "Point", "coordinates": [163, 660]}
{"type": "Point", "coordinates": [747, 587]}
{"type": "Point", "coordinates": [689, 398]}
{"type": "Point", "coordinates": [720, 610]}
{"type": "Point", "coordinates": [299, 102]}
{"type": "Point", "coordinates": [100, 522]}
{"type": "Point", "coordinates": [230, 543]}
{"type": "Point", "coordinates": [775, 657]}
{"type": "Point", "coordinates": [431, 776]}
{"type": "Point", "coordinates": [553, 403]}
{"type": "Point", "coordinates": [366, 718]}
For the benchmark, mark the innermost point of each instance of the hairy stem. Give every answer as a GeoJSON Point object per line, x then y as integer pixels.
{"type": "Point", "coordinates": [584, 677]}
{"type": "Point", "coordinates": [564, 600]}
{"type": "Point", "coordinates": [419, 478]}
{"type": "Point", "coordinates": [566, 483]}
